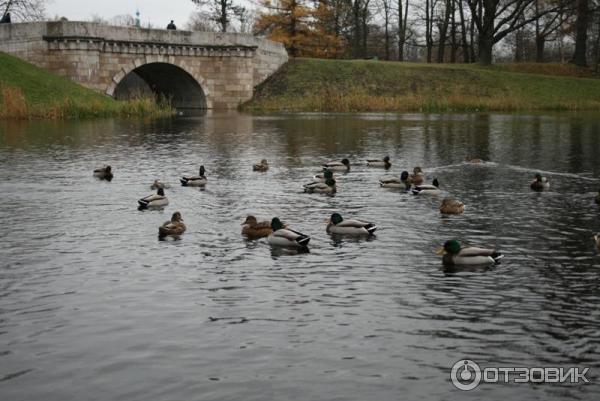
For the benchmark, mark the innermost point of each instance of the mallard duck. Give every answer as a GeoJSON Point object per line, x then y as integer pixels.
{"type": "Point", "coordinates": [285, 237]}
{"type": "Point", "coordinates": [337, 225]}
{"type": "Point", "coordinates": [262, 166]}
{"type": "Point", "coordinates": [385, 163]}
{"type": "Point", "coordinates": [473, 160]}
{"type": "Point", "coordinates": [194, 181]}
{"type": "Point", "coordinates": [104, 173]}
{"type": "Point", "coordinates": [454, 254]}
{"type": "Point", "coordinates": [394, 182]}
{"type": "Point", "coordinates": [344, 165]}
{"type": "Point", "coordinates": [417, 177]}
{"type": "Point", "coordinates": [426, 189]}
{"type": "Point", "coordinates": [174, 226]}
{"type": "Point", "coordinates": [159, 184]}
{"type": "Point", "coordinates": [155, 200]}
{"type": "Point", "coordinates": [252, 229]}
{"type": "Point", "coordinates": [452, 206]}
{"type": "Point", "coordinates": [327, 187]}
{"type": "Point", "coordinates": [540, 183]}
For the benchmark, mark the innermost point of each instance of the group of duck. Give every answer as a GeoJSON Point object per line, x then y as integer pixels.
{"type": "Point", "coordinates": [280, 235]}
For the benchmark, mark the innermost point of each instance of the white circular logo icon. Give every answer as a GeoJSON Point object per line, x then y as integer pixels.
{"type": "Point", "coordinates": [465, 375]}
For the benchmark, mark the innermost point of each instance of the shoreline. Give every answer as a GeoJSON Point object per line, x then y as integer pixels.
{"type": "Point", "coordinates": [319, 85]}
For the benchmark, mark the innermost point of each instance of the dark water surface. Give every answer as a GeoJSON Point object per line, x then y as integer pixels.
{"type": "Point", "coordinates": [94, 307]}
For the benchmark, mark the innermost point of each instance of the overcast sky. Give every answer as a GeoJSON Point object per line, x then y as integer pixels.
{"type": "Point", "coordinates": [157, 12]}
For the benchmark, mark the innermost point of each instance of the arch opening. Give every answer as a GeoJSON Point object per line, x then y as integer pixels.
{"type": "Point", "coordinates": [162, 80]}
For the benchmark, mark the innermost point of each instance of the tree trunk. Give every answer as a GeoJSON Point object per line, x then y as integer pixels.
{"type": "Point", "coordinates": [463, 30]}
{"type": "Point", "coordinates": [486, 36]}
{"type": "Point", "coordinates": [472, 41]}
{"type": "Point", "coordinates": [486, 44]}
{"type": "Point", "coordinates": [357, 28]}
{"type": "Point", "coordinates": [224, 16]}
{"type": "Point", "coordinates": [365, 29]}
{"type": "Point", "coordinates": [402, 29]}
{"type": "Point", "coordinates": [540, 43]}
{"type": "Point", "coordinates": [580, 54]}
{"type": "Point", "coordinates": [387, 32]}
{"type": "Point", "coordinates": [444, 32]}
{"type": "Point", "coordinates": [453, 45]}
{"type": "Point", "coordinates": [428, 29]}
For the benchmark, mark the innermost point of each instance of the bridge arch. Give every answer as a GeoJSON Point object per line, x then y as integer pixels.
{"type": "Point", "coordinates": [163, 77]}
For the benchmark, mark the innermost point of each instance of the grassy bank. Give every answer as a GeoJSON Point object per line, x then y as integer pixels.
{"type": "Point", "coordinates": [364, 85]}
{"type": "Point", "coordinates": [27, 92]}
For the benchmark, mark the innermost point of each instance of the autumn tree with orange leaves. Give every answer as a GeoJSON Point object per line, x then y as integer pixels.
{"type": "Point", "coordinates": [298, 27]}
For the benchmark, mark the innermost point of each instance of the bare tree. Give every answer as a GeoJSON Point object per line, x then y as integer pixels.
{"type": "Point", "coordinates": [219, 11]}
{"type": "Point", "coordinates": [387, 16]}
{"type": "Point", "coordinates": [495, 19]}
{"type": "Point", "coordinates": [402, 24]}
{"type": "Point", "coordinates": [581, 35]}
{"type": "Point", "coordinates": [24, 10]}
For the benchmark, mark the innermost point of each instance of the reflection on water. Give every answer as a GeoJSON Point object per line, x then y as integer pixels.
{"type": "Point", "coordinates": [92, 303]}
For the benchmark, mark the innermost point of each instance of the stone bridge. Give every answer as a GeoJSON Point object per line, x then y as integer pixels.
{"type": "Point", "coordinates": [192, 69]}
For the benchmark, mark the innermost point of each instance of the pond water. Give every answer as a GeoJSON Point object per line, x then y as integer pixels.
{"type": "Point", "coordinates": [93, 306]}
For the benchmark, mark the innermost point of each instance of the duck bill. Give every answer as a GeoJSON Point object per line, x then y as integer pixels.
{"type": "Point", "coordinates": [440, 251]}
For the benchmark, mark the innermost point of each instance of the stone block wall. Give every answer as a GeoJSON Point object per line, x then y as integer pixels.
{"type": "Point", "coordinates": [227, 66]}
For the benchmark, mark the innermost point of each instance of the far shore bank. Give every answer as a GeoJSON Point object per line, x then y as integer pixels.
{"type": "Point", "coordinates": [29, 92]}
{"type": "Point", "coordinates": [378, 86]}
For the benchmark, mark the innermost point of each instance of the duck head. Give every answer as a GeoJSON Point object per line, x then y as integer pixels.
{"type": "Point", "coordinates": [160, 192]}
{"type": "Point", "coordinates": [417, 170]}
{"type": "Point", "coordinates": [107, 169]}
{"type": "Point", "coordinates": [264, 162]}
{"type": "Point", "coordinates": [435, 183]}
{"type": "Point", "coordinates": [451, 246]}
{"type": "Point", "coordinates": [404, 176]}
{"type": "Point", "coordinates": [336, 218]}
{"type": "Point", "coordinates": [276, 224]}
{"type": "Point", "coordinates": [330, 181]}
{"type": "Point", "coordinates": [176, 217]}
{"type": "Point", "coordinates": [386, 159]}
{"type": "Point", "coordinates": [538, 177]}
{"type": "Point", "coordinates": [346, 162]}
{"type": "Point", "coordinates": [327, 174]}
{"type": "Point", "coordinates": [250, 220]}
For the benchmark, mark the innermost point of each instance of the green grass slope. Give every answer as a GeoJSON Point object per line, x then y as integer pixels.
{"type": "Point", "coordinates": [365, 85]}
{"type": "Point", "coordinates": [27, 91]}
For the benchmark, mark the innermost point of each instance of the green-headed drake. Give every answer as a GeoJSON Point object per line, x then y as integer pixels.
{"type": "Point", "coordinates": [454, 254]}
{"type": "Point", "coordinates": [385, 163]}
{"type": "Point", "coordinates": [327, 187]}
{"type": "Point", "coordinates": [337, 225]}
{"type": "Point", "coordinates": [427, 189]}
{"type": "Point", "coordinates": [343, 165]}
{"type": "Point", "coordinates": [395, 182]}
{"type": "Point", "coordinates": [284, 237]}
{"type": "Point", "coordinates": [194, 181]}
{"type": "Point", "coordinates": [155, 200]}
